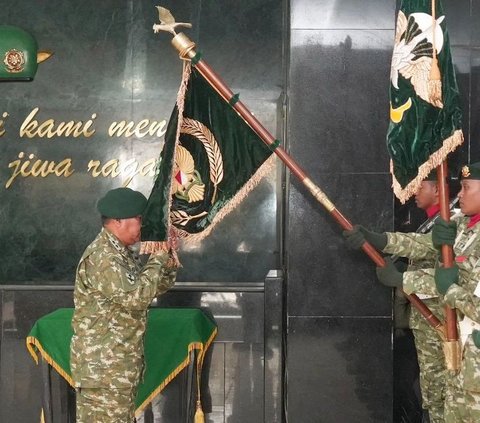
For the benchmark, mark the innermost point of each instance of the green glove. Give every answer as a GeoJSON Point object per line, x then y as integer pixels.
{"type": "Point", "coordinates": [389, 275]}
{"type": "Point", "coordinates": [476, 337]}
{"type": "Point", "coordinates": [443, 233]}
{"type": "Point", "coordinates": [359, 234]}
{"type": "Point", "coordinates": [445, 278]}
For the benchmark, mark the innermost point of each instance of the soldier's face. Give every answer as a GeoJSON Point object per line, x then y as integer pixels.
{"type": "Point", "coordinates": [129, 230]}
{"type": "Point", "coordinates": [469, 197]}
{"type": "Point", "coordinates": [427, 195]}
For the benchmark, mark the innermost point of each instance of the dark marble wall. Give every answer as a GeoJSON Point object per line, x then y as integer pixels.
{"type": "Point", "coordinates": [340, 361]}
{"type": "Point", "coordinates": [330, 60]}
{"type": "Point", "coordinates": [339, 319]}
{"type": "Point", "coordinates": [109, 62]}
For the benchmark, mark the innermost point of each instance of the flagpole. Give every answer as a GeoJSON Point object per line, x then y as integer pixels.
{"type": "Point", "coordinates": [451, 345]}
{"type": "Point", "coordinates": [452, 348]}
{"type": "Point", "coordinates": [186, 49]}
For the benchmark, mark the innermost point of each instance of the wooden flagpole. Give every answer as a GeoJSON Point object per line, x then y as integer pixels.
{"type": "Point", "coordinates": [186, 49]}
{"type": "Point", "coordinates": [452, 348]}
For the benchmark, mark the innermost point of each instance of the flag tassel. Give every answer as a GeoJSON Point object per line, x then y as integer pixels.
{"type": "Point", "coordinates": [199, 416]}
{"type": "Point", "coordinates": [435, 84]}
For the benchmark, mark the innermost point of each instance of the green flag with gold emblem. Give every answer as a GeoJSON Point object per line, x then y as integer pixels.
{"type": "Point", "coordinates": [425, 114]}
{"type": "Point", "coordinates": [210, 161]}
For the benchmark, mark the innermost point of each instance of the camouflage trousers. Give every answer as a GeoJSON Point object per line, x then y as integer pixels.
{"type": "Point", "coordinates": [461, 406]}
{"type": "Point", "coordinates": [431, 362]}
{"type": "Point", "coordinates": [104, 405]}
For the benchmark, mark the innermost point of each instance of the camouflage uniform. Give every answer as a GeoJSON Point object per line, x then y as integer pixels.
{"type": "Point", "coordinates": [112, 294]}
{"type": "Point", "coordinates": [427, 342]}
{"type": "Point", "coordinates": [462, 403]}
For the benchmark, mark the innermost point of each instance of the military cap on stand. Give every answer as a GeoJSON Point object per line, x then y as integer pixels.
{"type": "Point", "coordinates": [122, 203]}
{"type": "Point", "coordinates": [19, 54]}
{"type": "Point", "coordinates": [471, 171]}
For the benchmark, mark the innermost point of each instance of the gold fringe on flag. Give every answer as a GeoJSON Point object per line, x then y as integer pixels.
{"type": "Point", "coordinates": [435, 77]}
{"type": "Point", "coordinates": [265, 169]}
{"type": "Point", "coordinates": [262, 171]}
{"type": "Point", "coordinates": [151, 247]}
{"type": "Point", "coordinates": [435, 160]}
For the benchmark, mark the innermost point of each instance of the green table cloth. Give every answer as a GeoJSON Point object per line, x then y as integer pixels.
{"type": "Point", "coordinates": [172, 333]}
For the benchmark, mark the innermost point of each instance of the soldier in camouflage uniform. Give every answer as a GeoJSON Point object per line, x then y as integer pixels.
{"type": "Point", "coordinates": [460, 286]}
{"type": "Point", "coordinates": [427, 341]}
{"type": "Point", "coordinates": [112, 294]}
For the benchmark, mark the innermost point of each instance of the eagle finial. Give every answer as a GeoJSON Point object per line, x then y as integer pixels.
{"type": "Point", "coordinates": [167, 22]}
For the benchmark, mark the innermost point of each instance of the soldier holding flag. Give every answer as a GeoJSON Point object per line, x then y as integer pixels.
{"type": "Point", "coordinates": [427, 342]}
{"type": "Point", "coordinates": [459, 285]}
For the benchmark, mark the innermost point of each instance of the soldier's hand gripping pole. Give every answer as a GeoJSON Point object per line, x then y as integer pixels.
{"type": "Point", "coordinates": [186, 49]}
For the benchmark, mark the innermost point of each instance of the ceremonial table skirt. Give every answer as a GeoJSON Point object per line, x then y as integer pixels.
{"type": "Point", "coordinates": [171, 334]}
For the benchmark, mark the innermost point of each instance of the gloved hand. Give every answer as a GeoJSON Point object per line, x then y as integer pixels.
{"type": "Point", "coordinates": [445, 277]}
{"type": "Point", "coordinates": [476, 337]}
{"type": "Point", "coordinates": [389, 274]}
{"type": "Point", "coordinates": [443, 233]}
{"type": "Point", "coordinates": [359, 234]}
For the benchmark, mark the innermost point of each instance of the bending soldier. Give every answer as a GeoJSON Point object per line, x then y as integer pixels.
{"type": "Point", "coordinates": [112, 294]}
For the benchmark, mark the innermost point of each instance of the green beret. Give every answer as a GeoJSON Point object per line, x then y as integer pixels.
{"type": "Point", "coordinates": [122, 203]}
{"type": "Point", "coordinates": [471, 171]}
{"type": "Point", "coordinates": [18, 54]}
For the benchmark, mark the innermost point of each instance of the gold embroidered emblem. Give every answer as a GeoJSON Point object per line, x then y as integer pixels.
{"type": "Point", "coordinates": [14, 61]}
{"type": "Point", "coordinates": [187, 184]}
{"type": "Point", "coordinates": [465, 171]}
{"type": "Point", "coordinates": [413, 52]}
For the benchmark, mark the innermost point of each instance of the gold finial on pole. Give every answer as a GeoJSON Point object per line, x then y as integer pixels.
{"type": "Point", "coordinates": [167, 22]}
{"type": "Point", "coordinates": [180, 41]}
{"type": "Point", "coordinates": [184, 45]}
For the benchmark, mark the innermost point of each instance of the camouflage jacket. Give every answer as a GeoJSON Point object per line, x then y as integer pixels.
{"type": "Point", "coordinates": [464, 296]}
{"type": "Point", "coordinates": [112, 294]}
{"type": "Point", "coordinates": [419, 275]}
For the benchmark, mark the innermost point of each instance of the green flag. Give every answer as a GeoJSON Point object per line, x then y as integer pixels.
{"type": "Point", "coordinates": [422, 130]}
{"type": "Point", "coordinates": [210, 161]}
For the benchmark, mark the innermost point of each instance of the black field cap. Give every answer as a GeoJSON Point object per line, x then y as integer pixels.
{"type": "Point", "coordinates": [432, 176]}
{"type": "Point", "coordinates": [471, 171]}
{"type": "Point", "coordinates": [122, 203]}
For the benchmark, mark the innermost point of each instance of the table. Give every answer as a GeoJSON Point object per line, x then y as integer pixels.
{"type": "Point", "coordinates": [171, 336]}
